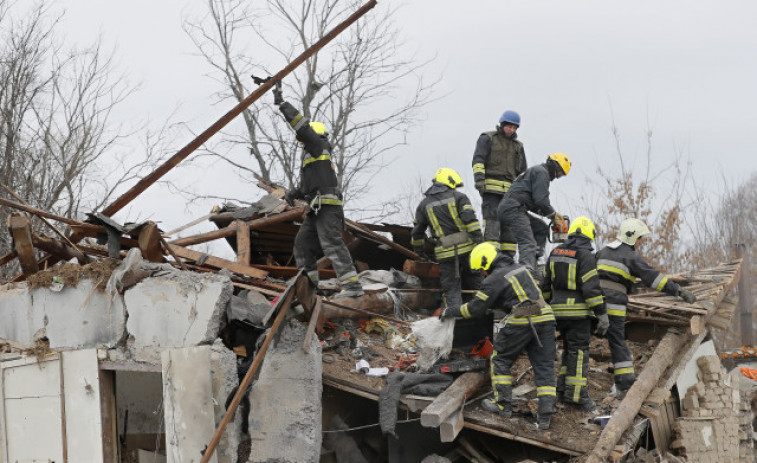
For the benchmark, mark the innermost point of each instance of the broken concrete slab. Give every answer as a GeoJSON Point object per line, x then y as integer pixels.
{"type": "Point", "coordinates": [285, 421]}
{"type": "Point", "coordinates": [181, 309]}
{"type": "Point", "coordinates": [195, 386]}
{"type": "Point", "coordinates": [70, 317]}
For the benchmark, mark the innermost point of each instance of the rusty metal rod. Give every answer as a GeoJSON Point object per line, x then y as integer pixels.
{"type": "Point", "coordinates": [147, 181]}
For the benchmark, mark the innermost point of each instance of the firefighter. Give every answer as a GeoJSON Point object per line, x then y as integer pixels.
{"type": "Point", "coordinates": [530, 192]}
{"type": "Point", "coordinates": [454, 229]}
{"type": "Point", "coordinates": [498, 159]}
{"type": "Point", "coordinates": [318, 186]}
{"type": "Point", "coordinates": [529, 326]}
{"type": "Point", "coordinates": [571, 286]}
{"type": "Point", "coordinates": [619, 265]}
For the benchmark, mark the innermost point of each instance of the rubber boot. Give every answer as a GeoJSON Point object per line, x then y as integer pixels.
{"type": "Point", "coordinates": [350, 290]}
{"type": "Point", "coordinates": [545, 411]}
{"type": "Point", "coordinates": [505, 410]}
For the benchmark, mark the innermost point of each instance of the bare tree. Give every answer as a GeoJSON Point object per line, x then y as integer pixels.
{"type": "Point", "coordinates": [58, 144]}
{"type": "Point", "coordinates": [631, 193]}
{"type": "Point", "coordinates": [352, 85]}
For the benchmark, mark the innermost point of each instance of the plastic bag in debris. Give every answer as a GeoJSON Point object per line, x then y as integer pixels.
{"type": "Point", "coordinates": [433, 338]}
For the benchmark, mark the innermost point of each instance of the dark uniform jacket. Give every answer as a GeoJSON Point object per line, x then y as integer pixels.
{"type": "Point", "coordinates": [508, 284]}
{"type": "Point", "coordinates": [450, 215]}
{"type": "Point", "coordinates": [317, 173]}
{"type": "Point", "coordinates": [531, 189]}
{"type": "Point", "coordinates": [571, 283]}
{"type": "Point", "coordinates": [618, 265]}
{"type": "Point", "coordinates": [498, 160]}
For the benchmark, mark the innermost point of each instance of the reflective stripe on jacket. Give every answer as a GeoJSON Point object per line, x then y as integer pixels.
{"type": "Point", "coordinates": [571, 283]}
{"type": "Point", "coordinates": [498, 160]}
{"type": "Point", "coordinates": [619, 263]}
{"type": "Point", "coordinates": [317, 172]}
{"type": "Point", "coordinates": [508, 284]}
{"type": "Point", "coordinates": [449, 213]}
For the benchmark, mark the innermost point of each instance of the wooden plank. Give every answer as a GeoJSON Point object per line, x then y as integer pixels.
{"type": "Point", "coordinates": [472, 450]}
{"type": "Point", "coordinates": [451, 400]}
{"type": "Point", "coordinates": [59, 249]}
{"type": "Point", "coordinates": [312, 325]}
{"type": "Point", "coordinates": [421, 269]}
{"type": "Point", "coordinates": [696, 324]}
{"type": "Point", "coordinates": [451, 426]}
{"type": "Point", "coordinates": [21, 231]}
{"type": "Point", "coordinates": [231, 230]}
{"type": "Point", "coordinates": [217, 262]}
{"type": "Point", "coordinates": [368, 234]}
{"type": "Point", "coordinates": [243, 242]}
{"type": "Point", "coordinates": [149, 243]}
{"type": "Point", "coordinates": [623, 417]}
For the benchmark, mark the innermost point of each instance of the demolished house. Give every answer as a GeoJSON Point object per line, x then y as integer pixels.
{"type": "Point", "coordinates": [154, 352]}
{"type": "Point", "coordinates": [123, 344]}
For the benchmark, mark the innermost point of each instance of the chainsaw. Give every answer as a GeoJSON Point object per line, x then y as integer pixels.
{"type": "Point", "coordinates": [559, 231]}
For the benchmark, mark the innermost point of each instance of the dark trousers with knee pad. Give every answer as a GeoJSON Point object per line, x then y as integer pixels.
{"type": "Point", "coordinates": [455, 274]}
{"type": "Point", "coordinates": [513, 339]}
{"type": "Point", "coordinates": [529, 232]}
{"type": "Point", "coordinates": [622, 361]}
{"type": "Point", "coordinates": [323, 231]}
{"type": "Point", "coordinates": [572, 381]}
{"type": "Point", "coordinates": [494, 230]}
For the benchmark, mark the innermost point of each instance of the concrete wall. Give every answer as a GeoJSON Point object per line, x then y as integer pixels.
{"type": "Point", "coordinates": [285, 417]}
{"type": "Point", "coordinates": [715, 425]}
{"type": "Point", "coordinates": [73, 317]}
{"type": "Point", "coordinates": [141, 393]}
{"type": "Point", "coordinates": [177, 310]}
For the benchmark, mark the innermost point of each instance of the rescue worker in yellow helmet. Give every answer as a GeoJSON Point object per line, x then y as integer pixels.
{"type": "Point", "coordinates": [454, 230]}
{"type": "Point", "coordinates": [530, 193]}
{"type": "Point", "coordinates": [498, 159]}
{"type": "Point", "coordinates": [571, 286]}
{"type": "Point", "coordinates": [322, 227]}
{"type": "Point", "coordinates": [529, 326]}
{"type": "Point", "coordinates": [618, 265]}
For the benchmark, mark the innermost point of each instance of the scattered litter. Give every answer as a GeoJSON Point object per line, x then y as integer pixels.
{"type": "Point", "coordinates": [364, 367]}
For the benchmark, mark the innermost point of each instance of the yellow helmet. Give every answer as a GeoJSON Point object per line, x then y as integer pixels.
{"type": "Point", "coordinates": [631, 230]}
{"type": "Point", "coordinates": [584, 226]}
{"type": "Point", "coordinates": [562, 160]}
{"type": "Point", "coordinates": [482, 256]}
{"type": "Point", "coordinates": [318, 127]}
{"type": "Point", "coordinates": [449, 177]}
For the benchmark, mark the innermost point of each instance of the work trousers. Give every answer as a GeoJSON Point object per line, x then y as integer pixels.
{"type": "Point", "coordinates": [622, 361]}
{"type": "Point", "coordinates": [572, 380]}
{"type": "Point", "coordinates": [530, 233]}
{"type": "Point", "coordinates": [510, 342]}
{"type": "Point", "coordinates": [323, 231]}
{"type": "Point", "coordinates": [455, 274]}
{"type": "Point", "coordinates": [493, 228]}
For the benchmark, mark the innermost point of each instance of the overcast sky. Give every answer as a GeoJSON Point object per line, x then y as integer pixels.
{"type": "Point", "coordinates": [685, 70]}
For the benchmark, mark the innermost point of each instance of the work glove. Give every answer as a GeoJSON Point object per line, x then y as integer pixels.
{"type": "Point", "coordinates": [481, 186]}
{"type": "Point", "coordinates": [687, 295]}
{"type": "Point", "coordinates": [290, 196]}
{"type": "Point", "coordinates": [277, 96]}
{"type": "Point", "coordinates": [603, 323]}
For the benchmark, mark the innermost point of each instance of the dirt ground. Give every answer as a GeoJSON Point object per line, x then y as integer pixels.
{"type": "Point", "coordinates": [571, 428]}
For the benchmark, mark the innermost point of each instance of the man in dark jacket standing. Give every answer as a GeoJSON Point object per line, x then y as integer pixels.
{"type": "Point", "coordinates": [619, 265]}
{"type": "Point", "coordinates": [319, 187]}
{"type": "Point", "coordinates": [530, 326]}
{"type": "Point", "coordinates": [530, 192]}
{"type": "Point", "coordinates": [455, 230]}
{"type": "Point", "coordinates": [498, 159]}
{"type": "Point", "coordinates": [571, 287]}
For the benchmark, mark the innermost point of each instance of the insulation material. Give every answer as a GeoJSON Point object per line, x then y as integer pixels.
{"type": "Point", "coordinates": [433, 337]}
